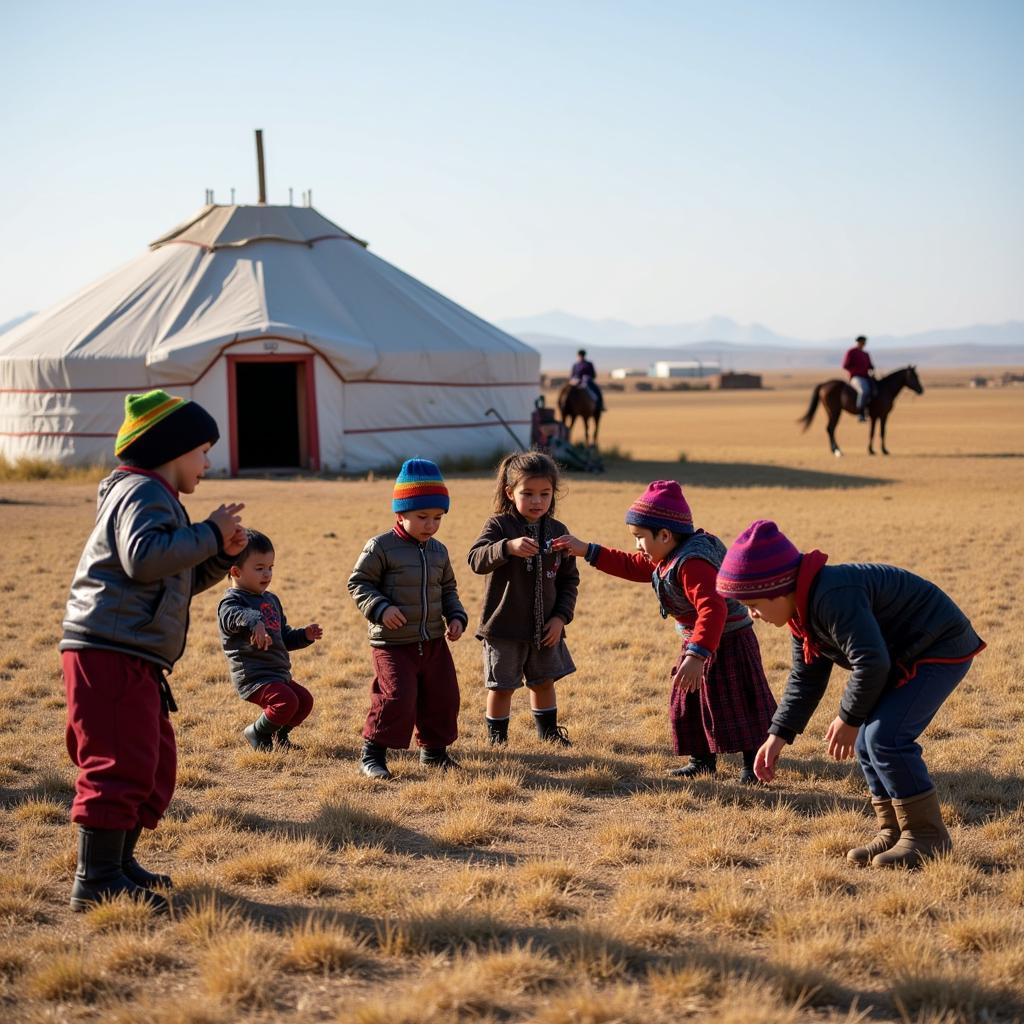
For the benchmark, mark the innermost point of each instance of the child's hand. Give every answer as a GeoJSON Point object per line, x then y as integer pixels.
{"type": "Point", "coordinates": [522, 547]}
{"type": "Point", "coordinates": [454, 630]}
{"type": "Point", "coordinates": [690, 673]}
{"type": "Point", "coordinates": [393, 618]}
{"type": "Point", "coordinates": [552, 631]}
{"type": "Point", "coordinates": [841, 738]}
{"type": "Point", "coordinates": [235, 544]}
{"type": "Point", "coordinates": [226, 519]}
{"type": "Point", "coordinates": [260, 638]}
{"type": "Point", "coordinates": [313, 631]}
{"type": "Point", "coordinates": [567, 542]}
{"type": "Point", "coordinates": [767, 755]}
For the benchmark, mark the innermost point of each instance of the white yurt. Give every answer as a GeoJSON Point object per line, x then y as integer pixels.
{"type": "Point", "coordinates": [310, 351]}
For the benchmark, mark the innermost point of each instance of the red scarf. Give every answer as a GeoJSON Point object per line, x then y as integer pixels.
{"type": "Point", "coordinates": [404, 533]}
{"type": "Point", "coordinates": [810, 565]}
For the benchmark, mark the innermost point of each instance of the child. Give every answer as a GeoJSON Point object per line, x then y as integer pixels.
{"type": "Point", "coordinates": [907, 646]}
{"type": "Point", "coordinates": [529, 596]}
{"type": "Point", "coordinates": [404, 584]}
{"type": "Point", "coordinates": [720, 700]}
{"type": "Point", "coordinates": [257, 638]}
{"type": "Point", "coordinates": [125, 626]}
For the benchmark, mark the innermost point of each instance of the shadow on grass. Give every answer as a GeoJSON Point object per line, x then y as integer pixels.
{"type": "Point", "coordinates": [737, 474]}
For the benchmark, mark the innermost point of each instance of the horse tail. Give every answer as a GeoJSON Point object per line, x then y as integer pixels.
{"type": "Point", "coordinates": [812, 409]}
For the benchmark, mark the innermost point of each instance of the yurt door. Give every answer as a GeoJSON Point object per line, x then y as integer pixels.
{"type": "Point", "coordinates": [272, 405]}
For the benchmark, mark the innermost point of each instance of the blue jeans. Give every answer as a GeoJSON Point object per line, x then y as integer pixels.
{"type": "Point", "coordinates": [887, 746]}
{"type": "Point", "coordinates": [865, 388]}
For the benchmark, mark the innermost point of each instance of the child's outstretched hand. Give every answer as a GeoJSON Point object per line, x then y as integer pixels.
{"type": "Point", "coordinates": [841, 738]}
{"type": "Point", "coordinates": [522, 547]}
{"type": "Point", "coordinates": [260, 638]}
{"type": "Point", "coordinates": [690, 673]}
{"type": "Point", "coordinates": [767, 756]}
{"type": "Point", "coordinates": [552, 631]}
{"type": "Point", "coordinates": [567, 542]}
{"type": "Point", "coordinates": [227, 519]}
{"type": "Point", "coordinates": [393, 618]}
{"type": "Point", "coordinates": [235, 544]}
{"type": "Point", "coordinates": [454, 630]}
{"type": "Point", "coordinates": [313, 631]}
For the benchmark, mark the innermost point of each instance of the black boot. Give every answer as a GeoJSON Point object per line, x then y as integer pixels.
{"type": "Point", "coordinates": [549, 729]}
{"type": "Point", "coordinates": [261, 734]}
{"type": "Point", "coordinates": [133, 870]}
{"type": "Point", "coordinates": [374, 761]}
{"type": "Point", "coordinates": [705, 765]}
{"type": "Point", "coordinates": [497, 730]}
{"type": "Point", "coordinates": [747, 776]}
{"type": "Point", "coordinates": [100, 875]}
{"type": "Point", "coordinates": [282, 739]}
{"type": "Point", "coordinates": [438, 757]}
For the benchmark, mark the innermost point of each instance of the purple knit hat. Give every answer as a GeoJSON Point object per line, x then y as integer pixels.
{"type": "Point", "coordinates": [661, 507]}
{"type": "Point", "coordinates": [761, 562]}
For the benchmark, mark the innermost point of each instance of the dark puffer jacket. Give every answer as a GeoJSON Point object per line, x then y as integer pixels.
{"type": "Point", "coordinates": [395, 571]}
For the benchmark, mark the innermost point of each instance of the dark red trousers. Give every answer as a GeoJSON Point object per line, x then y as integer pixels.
{"type": "Point", "coordinates": [415, 687]}
{"type": "Point", "coordinates": [284, 703]}
{"type": "Point", "coordinates": [120, 738]}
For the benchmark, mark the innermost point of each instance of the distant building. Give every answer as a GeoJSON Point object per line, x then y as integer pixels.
{"type": "Point", "coordinates": [737, 381]}
{"type": "Point", "coordinates": [624, 372]}
{"type": "Point", "coordinates": [685, 368]}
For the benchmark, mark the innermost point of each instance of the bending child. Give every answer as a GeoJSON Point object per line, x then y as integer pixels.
{"type": "Point", "coordinates": [720, 700]}
{"type": "Point", "coordinates": [529, 596]}
{"type": "Point", "coordinates": [906, 645]}
{"type": "Point", "coordinates": [256, 639]}
{"type": "Point", "coordinates": [125, 626]}
{"type": "Point", "coordinates": [404, 584]}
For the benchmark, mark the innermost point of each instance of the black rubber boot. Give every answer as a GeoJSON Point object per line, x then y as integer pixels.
{"type": "Point", "coordinates": [497, 731]}
{"type": "Point", "coordinates": [100, 874]}
{"type": "Point", "coordinates": [747, 776]}
{"type": "Point", "coordinates": [261, 734]}
{"type": "Point", "coordinates": [282, 739]}
{"type": "Point", "coordinates": [549, 729]}
{"type": "Point", "coordinates": [134, 871]}
{"type": "Point", "coordinates": [438, 757]}
{"type": "Point", "coordinates": [374, 761]}
{"type": "Point", "coordinates": [706, 765]}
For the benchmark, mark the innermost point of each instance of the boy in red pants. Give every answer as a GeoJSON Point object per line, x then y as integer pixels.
{"type": "Point", "coordinates": [125, 626]}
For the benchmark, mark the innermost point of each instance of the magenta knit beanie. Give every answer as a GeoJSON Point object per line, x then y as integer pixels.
{"type": "Point", "coordinates": [661, 507]}
{"type": "Point", "coordinates": [761, 562]}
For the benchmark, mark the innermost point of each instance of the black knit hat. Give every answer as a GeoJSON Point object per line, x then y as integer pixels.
{"type": "Point", "coordinates": [164, 427]}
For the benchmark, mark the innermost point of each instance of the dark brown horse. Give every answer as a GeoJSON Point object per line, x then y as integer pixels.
{"type": "Point", "coordinates": [574, 403]}
{"type": "Point", "coordinates": [837, 396]}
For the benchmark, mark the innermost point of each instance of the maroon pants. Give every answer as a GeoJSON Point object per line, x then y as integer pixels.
{"type": "Point", "coordinates": [120, 738]}
{"type": "Point", "coordinates": [286, 704]}
{"type": "Point", "coordinates": [415, 686]}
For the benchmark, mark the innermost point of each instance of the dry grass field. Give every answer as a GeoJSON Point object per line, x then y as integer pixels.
{"type": "Point", "coordinates": [577, 886]}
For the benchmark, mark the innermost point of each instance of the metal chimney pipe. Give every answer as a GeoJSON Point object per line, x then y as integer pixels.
{"type": "Point", "coordinates": [260, 169]}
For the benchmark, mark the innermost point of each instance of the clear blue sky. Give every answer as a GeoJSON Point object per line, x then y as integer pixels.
{"type": "Point", "coordinates": [820, 167]}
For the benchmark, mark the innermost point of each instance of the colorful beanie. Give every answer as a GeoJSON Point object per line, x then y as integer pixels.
{"type": "Point", "coordinates": [761, 562]}
{"type": "Point", "coordinates": [661, 507]}
{"type": "Point", "coordinates": [419, 485]}
{"type": "Point", "coordinates": [159, 427]}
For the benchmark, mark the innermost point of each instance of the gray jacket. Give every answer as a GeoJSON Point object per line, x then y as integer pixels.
{"type": "Point", "coordinates": [415, 578]}
{"type": "Point", "coordinates": [140, 567]}
{"type": "Point", "coordinates": [239, 613]}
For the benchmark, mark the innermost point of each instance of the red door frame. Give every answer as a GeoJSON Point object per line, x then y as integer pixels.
{"type": "Point", "coordinates": [312, 434]}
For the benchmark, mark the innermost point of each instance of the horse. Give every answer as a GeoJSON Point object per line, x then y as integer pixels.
{"type": "Point", "coordinates": [575, 402]}
{"type": "Point", "coordinates": [837, 396]}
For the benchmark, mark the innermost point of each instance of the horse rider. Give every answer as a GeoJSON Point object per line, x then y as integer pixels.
{"type": "Point", "coordinates": [857, 363]}
{"type": "Point", "coordinates": [584, 375]}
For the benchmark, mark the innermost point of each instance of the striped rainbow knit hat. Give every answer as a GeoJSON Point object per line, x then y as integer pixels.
{"type": "Point", "coordinates": [159, 427]}
{"type": "Point", "coordinates": [419, 485]}
{"type": "Point", "coordinates": [761, 562]}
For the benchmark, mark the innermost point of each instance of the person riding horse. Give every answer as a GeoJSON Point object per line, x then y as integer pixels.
{"type": "Point", "coordinates": [857, 363]}
{"type": "Point", "coordinates": [584, 375]}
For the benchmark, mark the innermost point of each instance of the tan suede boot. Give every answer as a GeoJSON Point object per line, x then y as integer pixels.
{"type": "Point", "coordinates": [888, 834]}
{"type": "Point", "coordinates": [922, 833]}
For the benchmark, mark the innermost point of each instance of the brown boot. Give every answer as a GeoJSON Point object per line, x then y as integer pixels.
{"type": "Point", "coordinates": [888, 833]}
{"type": "Point", "coordinates": [922, 833]}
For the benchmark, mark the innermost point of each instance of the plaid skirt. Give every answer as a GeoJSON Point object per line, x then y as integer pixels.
{"type": "Point", "coordinates": [733, 707]}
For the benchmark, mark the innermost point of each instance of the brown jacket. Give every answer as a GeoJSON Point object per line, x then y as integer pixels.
{"type": "Point", "coordinates": [508, 612]}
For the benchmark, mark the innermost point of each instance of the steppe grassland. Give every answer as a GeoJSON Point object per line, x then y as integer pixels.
{"type": "Point", "coordinates": [538, 885]}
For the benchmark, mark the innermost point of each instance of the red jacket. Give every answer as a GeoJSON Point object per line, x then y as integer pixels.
{"type": "Point", "coordinates": [857, 363]}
